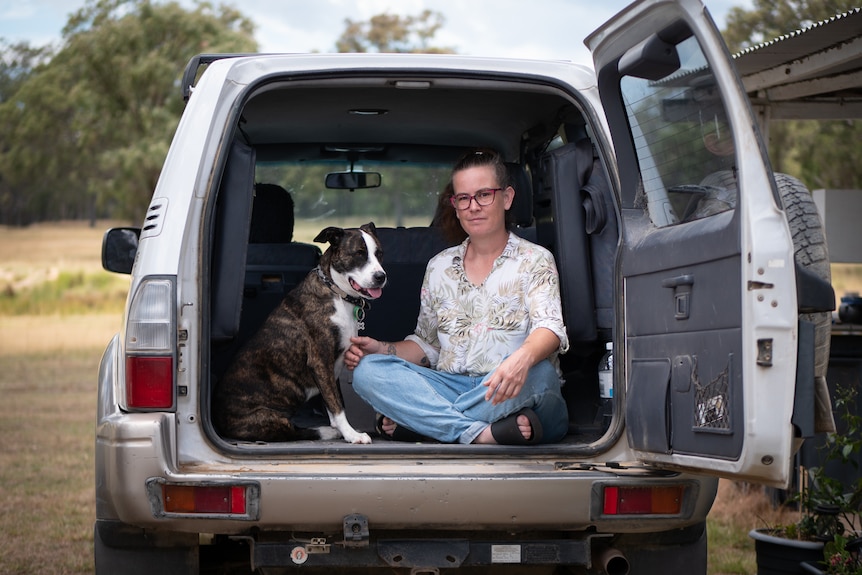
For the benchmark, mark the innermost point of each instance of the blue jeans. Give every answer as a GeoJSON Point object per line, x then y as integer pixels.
{"type": "Point", "coordinates": [451, 407]}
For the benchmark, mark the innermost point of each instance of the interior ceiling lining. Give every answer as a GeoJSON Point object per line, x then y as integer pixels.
{"type": "Point", "coordinates": [450, 115]}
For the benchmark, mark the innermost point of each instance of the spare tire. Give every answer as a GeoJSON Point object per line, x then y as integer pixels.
{"type": "Point", "coordinates": [810, 251]}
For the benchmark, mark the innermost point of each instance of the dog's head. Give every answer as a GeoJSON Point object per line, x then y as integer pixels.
{"type": "Point", "coordinates": [352, 260]}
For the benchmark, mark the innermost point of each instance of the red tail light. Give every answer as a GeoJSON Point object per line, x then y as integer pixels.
{"type": "Point", "coordinates": [643, 500]}
{"type": "Point", "coordinates": [150, 346]}
{"type": "Point", "coordinates": [149, 382]}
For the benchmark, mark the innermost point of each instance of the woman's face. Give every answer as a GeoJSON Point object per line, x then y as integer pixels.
{"type": "Point", "coordinates": [482, 220]}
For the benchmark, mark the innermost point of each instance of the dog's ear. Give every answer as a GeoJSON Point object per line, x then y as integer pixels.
{"type": "Point", "coordinates": [330, 234]}
{"type": "Point", "coordinates": [369, 227]}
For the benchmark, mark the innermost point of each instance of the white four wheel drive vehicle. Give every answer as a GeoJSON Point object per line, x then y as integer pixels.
{"type": "Point", "coordinates": [674, 242]}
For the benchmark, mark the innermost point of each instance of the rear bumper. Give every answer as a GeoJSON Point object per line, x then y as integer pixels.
{"type": "Point", "coordinates": [135, 455]}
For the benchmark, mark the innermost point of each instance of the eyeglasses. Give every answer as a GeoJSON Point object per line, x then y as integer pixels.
{"type": "Point", "coordinates": [484, 197]}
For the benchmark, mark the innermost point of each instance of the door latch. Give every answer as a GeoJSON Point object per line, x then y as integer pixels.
{"type": "Point", "coordinates": [764, 352]}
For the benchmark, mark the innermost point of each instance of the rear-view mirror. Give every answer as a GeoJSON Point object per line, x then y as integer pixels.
{"type": "Point", "coordinates": [352, 180]}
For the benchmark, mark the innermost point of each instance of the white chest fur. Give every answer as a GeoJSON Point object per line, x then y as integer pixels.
{"type": "Point", "coordinates": [347, 323]}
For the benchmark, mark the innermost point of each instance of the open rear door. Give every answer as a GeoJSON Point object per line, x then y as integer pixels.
{"type": "Point", "coordinates": [707, 269]}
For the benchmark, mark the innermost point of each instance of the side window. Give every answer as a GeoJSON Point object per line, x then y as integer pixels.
{"type": "Point", "coordinates": [683, 141]}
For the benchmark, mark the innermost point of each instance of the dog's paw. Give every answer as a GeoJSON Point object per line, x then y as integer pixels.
{"type": "Point", "coordinates": [356, 437]}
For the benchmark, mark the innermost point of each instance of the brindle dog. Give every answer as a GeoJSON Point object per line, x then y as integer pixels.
{"type": "Point", "coordinates": [299, 350]}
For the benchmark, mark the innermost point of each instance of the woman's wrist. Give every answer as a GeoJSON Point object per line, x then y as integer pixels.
{"type": "Point", "coordinates": [387, 348]}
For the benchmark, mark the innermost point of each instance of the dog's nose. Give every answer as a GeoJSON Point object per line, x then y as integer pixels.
{"type": "Point", "coordinates": [379, 277]}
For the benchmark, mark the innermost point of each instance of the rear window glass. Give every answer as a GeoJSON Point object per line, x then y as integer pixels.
{"type": "Point", "coordinates": [407, 194]}
{"type": "Point", "coordinates": [683, 140]}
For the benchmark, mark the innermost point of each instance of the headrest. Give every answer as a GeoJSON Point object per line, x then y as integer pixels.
{"type": "Point", "coordinates": [522, 207]}
{"type": "Point", "coordinates": [271, 216]}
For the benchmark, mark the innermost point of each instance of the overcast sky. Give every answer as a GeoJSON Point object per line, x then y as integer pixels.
{"type": "Point", "coordinates": [544, 29]}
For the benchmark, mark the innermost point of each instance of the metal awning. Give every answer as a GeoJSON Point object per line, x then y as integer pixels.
{"type": "Point", "coordinates": [812, 73]}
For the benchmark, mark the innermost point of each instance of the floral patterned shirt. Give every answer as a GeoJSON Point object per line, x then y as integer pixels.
{"type": "Point", "coordinates": [468, 329]}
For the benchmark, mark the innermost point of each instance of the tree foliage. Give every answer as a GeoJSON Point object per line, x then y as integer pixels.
{"type": "Point", "coordinates": [87, 131]}
{"type": "Point", "coordinates": [816, 151]}
{"type": "Point", "coordinates": [17, 62]}
{"type": "Point", "coordinates": [87, 127]}
{"type": "Point", "coordinates": [393, 33]}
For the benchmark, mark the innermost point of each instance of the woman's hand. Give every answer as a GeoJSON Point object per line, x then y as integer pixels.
{"type": "Point", "coordinates": [360, 346]}
{"type": "Point", "coordinates": [508, 379]}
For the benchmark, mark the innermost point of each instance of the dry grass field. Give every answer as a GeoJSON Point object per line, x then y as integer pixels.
{"type": "Point", "coordinates": [46, 461]}
{"type": "Point", "coordinates": [48, 368]}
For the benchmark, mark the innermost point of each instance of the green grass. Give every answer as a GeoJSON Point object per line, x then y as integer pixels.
{"type": "Point", "coordinates": [739, 508]}
{"type": "Point", "coordinates": [731, 551]}
{"type": "Point", "coordinates": [55, 269]}
{"type": "Point", "coordinates": [70, 292]}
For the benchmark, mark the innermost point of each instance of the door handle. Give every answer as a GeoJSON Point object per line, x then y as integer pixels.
{"type": "Point", "coordinates": [681, 286]}
{"type": "Point", "coordinates": [683, 280]}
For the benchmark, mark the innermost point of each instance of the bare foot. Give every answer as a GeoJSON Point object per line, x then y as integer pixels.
{"type": "Point", "coordinates": [523, 426]}
{"type": "Point", "coordinates": [388, 426]}
{"type": "Point", "coordinates": [391, 430]}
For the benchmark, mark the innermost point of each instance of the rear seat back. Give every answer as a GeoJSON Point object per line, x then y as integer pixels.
{"type": "Point", "coordinates": [275, 264]}
{"type": "Point", "coordinates": [231, 228]}
{"type": "Point", "coordinates": [573, 183]}
{"type": "Point", "coordinates": [406, 252]}
{"type": "Point", "coordinates": [521, 212]}
{"type": "Point", "coordinates": [601, 225]}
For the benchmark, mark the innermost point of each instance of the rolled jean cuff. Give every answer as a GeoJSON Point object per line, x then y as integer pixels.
{"type": "Point", "coordinates": [472, 432]}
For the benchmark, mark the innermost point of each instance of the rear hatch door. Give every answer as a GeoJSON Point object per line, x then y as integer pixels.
{"type": "Point", "coordinates": [707, 269]}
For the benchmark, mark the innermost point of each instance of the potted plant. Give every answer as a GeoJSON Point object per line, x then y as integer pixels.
{"type": "Point", "coordinates": [840, 557]}
{"type": "Point", "coordinates": [825, 538]}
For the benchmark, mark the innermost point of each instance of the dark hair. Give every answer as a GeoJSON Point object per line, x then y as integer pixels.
{"type": "Point", "coordinates": [475, 158]}
{"type": "Point", "coordinates": [481, 157]}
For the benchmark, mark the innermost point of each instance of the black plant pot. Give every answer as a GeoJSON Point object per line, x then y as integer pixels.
{"type": "Point", "coordinates": [779, 556]}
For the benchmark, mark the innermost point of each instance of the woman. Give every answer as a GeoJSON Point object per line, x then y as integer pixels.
{"type": "Point", "coordinates": [481, 366]}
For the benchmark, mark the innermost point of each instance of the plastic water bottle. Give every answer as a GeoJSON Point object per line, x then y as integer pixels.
{"type": "Point", "coordinates": [606, 386]}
